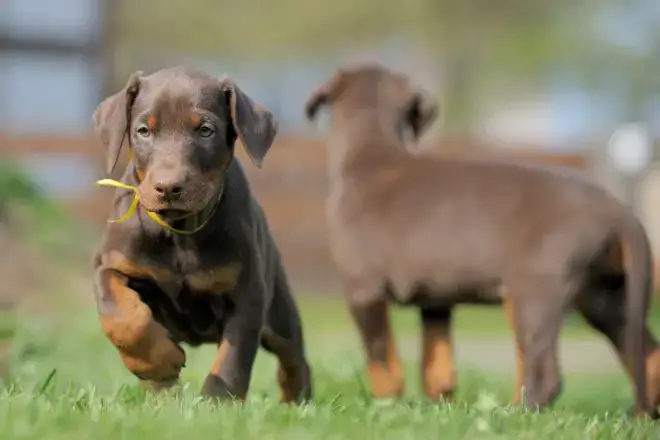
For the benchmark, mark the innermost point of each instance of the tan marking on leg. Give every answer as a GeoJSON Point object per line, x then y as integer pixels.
{"type": "Point", "coordinates": [220, 356]}
{"type": "Point", "coordinates": [520, 363]}
{"type": "Point", "coordinates": [387, 378]}
{"type": "Point", "coordinates": [653, 376]}
{"type": "Point", "coordinates": [437, 361]}
{"type": "Point", "coordinates": [383, 363]}
{"type": "Point", "coordinates": [291, 370]}
{"type": "Point", "coordinates": [214, 386]}
{"type": "Point", "coordinates": [291, 381]}
{"type": "Point", "coordinates": [144, 345]}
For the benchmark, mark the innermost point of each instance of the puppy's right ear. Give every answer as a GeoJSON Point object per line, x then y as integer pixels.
{"type": "Point", "coordinates": [323, 94]}
{"type": "Point", "coordinates": [112, 116]}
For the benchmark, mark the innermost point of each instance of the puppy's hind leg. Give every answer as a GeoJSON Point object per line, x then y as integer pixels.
{"type": "Point", "coordinates": [283, 336]}
{"type": "Point", "coordinates": [370, 313]}
{"type": "Point", "coordinates": [602, 304]}
{"type": "Point", "coordinates": [509, 307]}
{"type": "Point", "coordinates": [538, 310]}
{"type": "Point", "coordinates": [437, 355]}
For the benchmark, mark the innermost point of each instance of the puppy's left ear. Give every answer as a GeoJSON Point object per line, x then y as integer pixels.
{"type": "Point", "coordinates": [422, 111]}
{"type": "Point", "coordinates": [112, 118]}
{"type": "Point", "coordinates": [254, 125]}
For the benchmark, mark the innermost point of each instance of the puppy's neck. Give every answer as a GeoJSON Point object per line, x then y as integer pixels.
{"type": "Point", "coordinates": [363, 143]}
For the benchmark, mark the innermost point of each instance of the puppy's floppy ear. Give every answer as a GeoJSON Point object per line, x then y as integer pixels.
{"type": "Point", "coordinates": [324, 94]}
{"type": "Point", "coordinates": [254, 125]}
{"type": "Point", "coordinates": [112, 117]}
{"type": "Point", "coordinates": [421, 112]}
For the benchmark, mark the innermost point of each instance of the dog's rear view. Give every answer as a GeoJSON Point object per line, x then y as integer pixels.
{"type": "Point", "coordinates": [435, 232]}
{"type": "Point", "coordinates": [378, 110]}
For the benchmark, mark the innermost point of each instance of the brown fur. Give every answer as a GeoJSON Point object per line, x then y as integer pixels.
{"type": "Point", "coordinates": [435, 232]}
{"type": "Point", "coordinates": [437, 357]}
{"type": "Point", "coordinates": [223, 285]}
{"type": "Point", "coordinates": [518, 382]}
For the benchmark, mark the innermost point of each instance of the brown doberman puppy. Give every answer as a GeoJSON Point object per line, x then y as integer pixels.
{"type": "Point", "coordinates": [434, 232]}
{"type": "Point", "coordinates": [197, 263]}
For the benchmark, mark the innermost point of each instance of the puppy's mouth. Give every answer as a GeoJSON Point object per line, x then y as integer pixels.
{"type": "Point", "coordinates": [194, 201]}
{"type": "Point", "coordinates": [172, 213]}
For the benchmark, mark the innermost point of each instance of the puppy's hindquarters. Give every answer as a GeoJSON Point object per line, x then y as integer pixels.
{"type": "Point", "coordinates": [615, 302]}
{"type": "Point", "coordinates": [283, 336]}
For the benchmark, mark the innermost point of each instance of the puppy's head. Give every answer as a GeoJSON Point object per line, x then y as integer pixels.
{"type": "Point", "coordinates": [182, 125]}
{"type": "Point", "coordinates": [375, 90]}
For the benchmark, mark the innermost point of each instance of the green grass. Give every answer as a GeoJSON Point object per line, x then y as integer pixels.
{"type": "Point", "coordinates": [69, 384]}
{"type": "Point", "coordinates": [330, 315]}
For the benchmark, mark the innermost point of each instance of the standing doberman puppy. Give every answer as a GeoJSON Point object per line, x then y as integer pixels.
{"type": "Point", "coordinates": [435, 232]}
{"type": "Point", "coordinates": [197, 264]}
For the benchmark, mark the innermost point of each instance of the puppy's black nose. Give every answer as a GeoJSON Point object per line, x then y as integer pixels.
{"type": "Point", "coordinates": [168, 189]}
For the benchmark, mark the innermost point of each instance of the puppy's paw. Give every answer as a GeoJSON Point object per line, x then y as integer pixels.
{"type": "Point", "coordinates": [148, 368]}
{"type": "Point", "coordinates": [642, 413]}
{"type": "Point", "coordinates": [167, 358]}
{"type": "Point", "coordinates": [156, 358]}
{"type": "Point", "coordinates": [217, 389]}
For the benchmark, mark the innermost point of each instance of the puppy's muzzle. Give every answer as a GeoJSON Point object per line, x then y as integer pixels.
{"type": "Point", "coordinates": [168, 190]}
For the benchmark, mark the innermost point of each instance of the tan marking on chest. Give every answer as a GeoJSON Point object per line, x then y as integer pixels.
{"type": "Point", "coordinates": [221, 279]}
{"type": "Point", "coordinates": [135, 270]}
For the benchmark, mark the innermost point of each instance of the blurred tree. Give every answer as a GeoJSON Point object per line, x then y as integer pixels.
{"type": "Point", "coordinates": [489, 46]}
{"type": "Point", "coordinates": [626, 59]}
{"type": "Point", "coordinates": [483, 46]}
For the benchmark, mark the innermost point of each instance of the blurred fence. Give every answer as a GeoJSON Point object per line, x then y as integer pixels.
{"type": "Point", "coordinates": [291, 187]}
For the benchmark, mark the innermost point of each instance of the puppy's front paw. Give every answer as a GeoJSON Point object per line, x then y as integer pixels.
{"type": "Point", "coordinates": [156, 358]}
{"type": "Point", "coordinates": [167, 358]}
{"type": "Point", "coordinates": [216, 388]}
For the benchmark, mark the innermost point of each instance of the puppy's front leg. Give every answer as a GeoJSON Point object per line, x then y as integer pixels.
{"type": "Point", "coordinates": [232, 368]}
{"type": "Point", "coordinates": [144, 345]}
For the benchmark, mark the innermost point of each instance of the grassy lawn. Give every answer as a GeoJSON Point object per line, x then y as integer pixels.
{"type": "Point", "coordinates": [71, 385]}
{"type": "Point", "coordinates": [330, 315]}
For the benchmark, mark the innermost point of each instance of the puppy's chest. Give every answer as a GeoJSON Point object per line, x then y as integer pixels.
{"type": "Point", "coordinates": [189, 293]}
{"type": "Point", "coordinates": [191, 318]}
{"type": "Point", "coordinates": [175, 270]}
{"type": "Point", "coordinates": [201, 273]}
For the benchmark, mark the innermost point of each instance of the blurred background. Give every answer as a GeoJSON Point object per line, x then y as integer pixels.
{"type": "Point", "coordinates": [576, 83]}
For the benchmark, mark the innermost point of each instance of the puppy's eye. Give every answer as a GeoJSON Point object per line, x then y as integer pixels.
{"type": "Point", "coordinates": [206, 131]}
{"type": "Point", "coordinates": [143, 131]}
